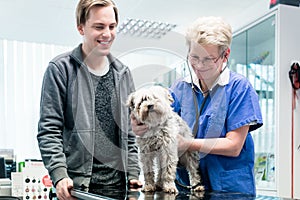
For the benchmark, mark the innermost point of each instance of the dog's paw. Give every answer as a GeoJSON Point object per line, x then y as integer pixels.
{"type": "Point", "coordinates": [149, 188]}
{"type": "Point", "coordinates": [197, 195]}
{"type": "Point", "coordinates": [170, 188]}
{"type": "Point", "coordinates": [199, 188]}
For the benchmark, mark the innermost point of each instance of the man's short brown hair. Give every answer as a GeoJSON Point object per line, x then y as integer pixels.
{"type": "Point", "coordinates": [84, 7]}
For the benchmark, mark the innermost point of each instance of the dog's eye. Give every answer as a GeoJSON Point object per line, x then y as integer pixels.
{"type": "Point", "coordinates": [131, 105]}
{"type": "Point", "coordinates": [138, 106]}
{"type": "Point", "coordinates": [150, 107]}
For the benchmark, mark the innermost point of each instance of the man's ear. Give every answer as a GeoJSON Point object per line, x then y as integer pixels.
{"type": "Point", "coordinates": [80, 29]}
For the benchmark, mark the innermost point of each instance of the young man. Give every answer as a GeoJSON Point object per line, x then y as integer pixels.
{"type": "Point", "coordinates": [84, 131]}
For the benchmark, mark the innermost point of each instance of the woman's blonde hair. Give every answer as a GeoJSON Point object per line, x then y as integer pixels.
{"type": "Point", "coordinates": [210, 31]}
{"type": "Point", "coordinates": [84, 7]}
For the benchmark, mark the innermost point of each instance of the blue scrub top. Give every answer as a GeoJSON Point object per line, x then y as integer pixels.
{"type": "Point", "coordinates": [227, 108]}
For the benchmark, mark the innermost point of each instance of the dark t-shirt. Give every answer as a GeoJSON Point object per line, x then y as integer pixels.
{"type": "Point", "coordinates": [107, 155]}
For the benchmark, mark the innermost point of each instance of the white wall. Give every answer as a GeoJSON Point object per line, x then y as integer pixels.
{"type": "Point", "coordinates": [22, 66]}
{"type": "Point", "coordinates": [288, 51]}
{"type": "Point", "coordinates": [39, 21]}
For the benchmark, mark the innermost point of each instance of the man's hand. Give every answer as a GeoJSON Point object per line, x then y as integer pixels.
{"type": "Point", "coordinates": [63, 188]}
{"type": "Point", "coordinates": [138, 128]}
{"type": "Point", "coordinates": [135, 184]}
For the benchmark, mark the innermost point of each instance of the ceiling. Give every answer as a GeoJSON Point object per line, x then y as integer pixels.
{"type": "Point", "coordinates": [53, 21]}
{"type": "Point", "coordinates": [184, 12]}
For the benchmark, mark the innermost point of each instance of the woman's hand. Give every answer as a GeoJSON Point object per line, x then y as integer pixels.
{"type": "Point", "coordinates": [183, 144]}
{"type": "Point", "coordinates": [138, 128]}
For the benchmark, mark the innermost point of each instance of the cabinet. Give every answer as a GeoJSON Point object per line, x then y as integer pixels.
{"type": "Point", "coordinates": [263, 51]}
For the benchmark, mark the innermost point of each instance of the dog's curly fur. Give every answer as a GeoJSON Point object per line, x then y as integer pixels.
{"type": "Point", "coordinates": [152, 106]}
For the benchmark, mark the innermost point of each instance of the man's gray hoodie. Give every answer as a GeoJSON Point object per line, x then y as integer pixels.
{"type": "Point", "coordinates": [67, 119]}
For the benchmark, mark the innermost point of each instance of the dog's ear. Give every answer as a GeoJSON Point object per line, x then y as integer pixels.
{"type": "Point", "coordinates": [130, 101]}
{"type": "Point", "coordinates": [170, 98]}
{"type": "Point", "coordinates": [168, 94]}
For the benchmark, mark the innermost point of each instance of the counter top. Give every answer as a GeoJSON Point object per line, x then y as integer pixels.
{"type": "Point", "coordinates": [138, 195]}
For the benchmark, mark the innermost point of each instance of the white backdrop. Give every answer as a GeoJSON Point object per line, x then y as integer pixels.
{"type": "Point", "coordinates": [22, 65]}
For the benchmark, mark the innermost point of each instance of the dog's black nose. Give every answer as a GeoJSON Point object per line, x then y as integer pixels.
{"type": "Point", "coordinates": [150, 107]}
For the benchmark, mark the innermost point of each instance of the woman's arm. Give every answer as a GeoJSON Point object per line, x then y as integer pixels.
{"type": "Point", "coordinates": [231, 145]}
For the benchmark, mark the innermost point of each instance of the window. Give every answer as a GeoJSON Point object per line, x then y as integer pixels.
{"type": "Point", "coordinates": [22, 66]}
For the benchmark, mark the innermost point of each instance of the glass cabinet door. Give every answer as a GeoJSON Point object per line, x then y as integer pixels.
{"type": "Point", "coordinates": [253, 55]}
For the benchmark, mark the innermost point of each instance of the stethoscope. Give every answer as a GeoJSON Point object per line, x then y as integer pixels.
{"type": "Point", "coordinates": [205, 93]}
{"type": "Point", "coordinates": [198, 112]}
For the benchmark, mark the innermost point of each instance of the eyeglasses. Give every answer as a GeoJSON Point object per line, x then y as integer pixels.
{"type": "Point", "coordinates": [207, 62]}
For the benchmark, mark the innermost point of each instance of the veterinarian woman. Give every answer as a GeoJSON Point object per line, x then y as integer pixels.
{"type": "Point", "coordinates": [220, 106]}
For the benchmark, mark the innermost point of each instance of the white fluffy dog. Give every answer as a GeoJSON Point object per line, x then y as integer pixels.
{"type": "Point", "coordinates": [152, 106]}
